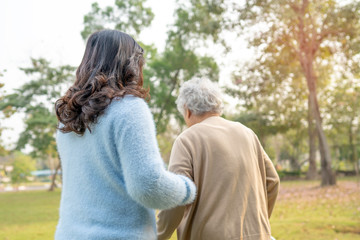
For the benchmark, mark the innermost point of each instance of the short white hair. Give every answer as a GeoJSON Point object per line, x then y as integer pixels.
{"type": "Point", "coordinates": [199, 96]}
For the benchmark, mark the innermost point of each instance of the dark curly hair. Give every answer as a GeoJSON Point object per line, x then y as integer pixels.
{"type": "Point", "coordinates": [111, 67]}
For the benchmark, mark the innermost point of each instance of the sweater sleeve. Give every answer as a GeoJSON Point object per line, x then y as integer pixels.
{"type": "Point", "coordinates": [146, 179]}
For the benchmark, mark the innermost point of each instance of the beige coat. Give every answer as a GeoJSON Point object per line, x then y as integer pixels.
{"type": "Point", "coordinates": [237, 184]}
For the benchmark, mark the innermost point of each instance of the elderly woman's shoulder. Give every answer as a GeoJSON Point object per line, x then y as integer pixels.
{"type": "Point", "coordinates": [243, 127]}
{"type": "Point", "coordinates": [188, 134]}
{"type": "Point", "coordinates": [200, 131]}
{"type": "Point", "coordinates": [195, 131]}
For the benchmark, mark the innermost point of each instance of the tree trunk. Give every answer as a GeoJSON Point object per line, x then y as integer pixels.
{"type": "Point", "coordinates": [312, 171]}
{"type": "Point", "coordinates": [53, 179]}
{"type": "Point", "coordinates": [352, 143]}
{"type": "Point", "coordinates": [356, 163]}
{"type": "Point", "coordinates": [308, 45]}
{"type": "Point", "coordinates": [328, 177]}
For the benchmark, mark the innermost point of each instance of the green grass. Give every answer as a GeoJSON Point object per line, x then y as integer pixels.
{"type": "Point", "coordinates": [306, 211]}
{"type": "Point", "coordinates": [28, 215]}
{"type": "Point", "coordinates": [303, 211]}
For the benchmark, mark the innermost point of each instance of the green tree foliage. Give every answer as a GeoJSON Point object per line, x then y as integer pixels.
{"type": "Point", "coordinates": [166, 140]}
{"type": "Point", "coordinates": [178, 63]}
{"type": "Point", "coordinates": [294, 39]}
{"type": "Point", "coordinates": [343, 100]}
{"type": "Point", "coordinates": [23, 165]}
{"type": "Point", "coordinates": [35, 99]}
{"type": "Point", "coordinates": [1, 84]}
{"type": "Point", "coordinates": [260, 124]}
{"type": "Point", "coordinates": [165, 71]}
{"type": "Point", "coordinates": [2, 148]}
{"type": "Point", "coordinates": [128, 16]}
{"type": "Point", "coordinates": [294, 147]}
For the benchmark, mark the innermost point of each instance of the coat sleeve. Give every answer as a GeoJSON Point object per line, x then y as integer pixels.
{"type": "Point", "coordinates": [168, 221]}
{"type": "Point", "coordinates": [145, 177]}
{"type": "Point", "coordinates": [180, 163]}
{"type": "Point", "coordinates": [270, 177]}
{"type": "Point", "coordinates": [272, 182]}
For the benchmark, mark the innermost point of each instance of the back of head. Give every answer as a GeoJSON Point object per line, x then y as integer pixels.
{"type": "Point", "coordinates": [111, 67]}
{"type": "Point", "coordinates": [199, 96]}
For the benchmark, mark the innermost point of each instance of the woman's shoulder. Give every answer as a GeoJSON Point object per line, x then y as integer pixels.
{"type": "Point", "coordinates": [129, 112]}
{"type": "Point", "coordinates": [128, 109]}
{"type": "Point", "coordinates": [127, 104]}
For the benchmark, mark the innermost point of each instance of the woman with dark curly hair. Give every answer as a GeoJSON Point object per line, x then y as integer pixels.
{"type": "Point", "coordinates": [113, 174]}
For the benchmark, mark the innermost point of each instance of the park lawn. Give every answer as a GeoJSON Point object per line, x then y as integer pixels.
{"type": "Point", "coordinates": [303, 211]}
{"type": "Point", "coordinates": [28, 215]}
{"type": "Point", "coordinates": [306, 211]}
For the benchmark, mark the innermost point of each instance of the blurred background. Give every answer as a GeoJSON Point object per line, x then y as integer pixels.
{"type": "Point", "coordinates": [288, 69]}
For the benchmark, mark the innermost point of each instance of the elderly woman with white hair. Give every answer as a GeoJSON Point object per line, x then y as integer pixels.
{"type": "Point", "coordinates": [236, 181]}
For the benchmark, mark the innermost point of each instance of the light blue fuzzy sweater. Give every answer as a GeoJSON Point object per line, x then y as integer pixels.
{"type": "Point", "coordinates": [114, 176]}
